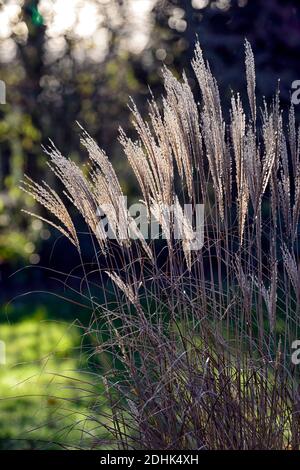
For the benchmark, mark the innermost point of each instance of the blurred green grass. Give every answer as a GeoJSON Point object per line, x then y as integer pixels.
{"type": "Point", "coordinates": [46, 391]}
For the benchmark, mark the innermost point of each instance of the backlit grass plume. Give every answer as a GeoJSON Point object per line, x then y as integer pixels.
{"type": "Point", "coordinates": [199, 341]}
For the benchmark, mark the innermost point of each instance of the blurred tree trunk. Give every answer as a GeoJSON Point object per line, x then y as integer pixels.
{"type": "Point", "coordinates": [31, 53]}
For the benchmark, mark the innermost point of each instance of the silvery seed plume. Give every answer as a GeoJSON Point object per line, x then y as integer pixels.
{"type": "Point", "coordinates": [294, 143]}
{"type": "Point", "coordinates": [109, 195]}
{"type": "Point", "coordinates": [78, 191]}
{"type": "Point", "coordinates": [250, 74]}
{"type": "Point", "coordinates": [139, 163]}
{"type": "Point", "coordinates": [125, 288]}
{"type": "Point", "coordinates": [238, 126]}
{"type": "Point", "coordinates": [106, 189]}
{"type": "Point", "coordinates": [49, 199]}
{"type": "Point", "coordinates": [185, 232]}
{"type": "Point", "coordinates": [182, 125]}
{"type": "Point", "coordinates": [284, 188]}
{"type": "Point", "coordinates": [213, 128]}
{"type": "Point", "coordinates": [158, 152]}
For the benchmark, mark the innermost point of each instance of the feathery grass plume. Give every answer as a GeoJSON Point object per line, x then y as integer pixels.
{"type": "Point", "coordinates": [140, 166]}
{"type": "Point", "coordinates": [251, 81]}
{"type": "Point", "coordinates": [238, 127]}
{"type": "Point", "coordinates": [157, 153]}
{"type": "Point", "coordinates": [252, 166]}
{"type": "Point", "coordinates": [294, 143]}
{"type": "Point", "coordinates": [163, 215]}
{"type": "Point", "coordinates": [199, 349]}
{"type": "Point", "coordinates": [109, 194]}
{"type": "Point", "coordinates": [154, 168]}
{"type": "Point", "coordinates": [271, 133]}
{"type": "Point", "coordinates": [48, 198]}
{"type": "Point", "coordinates": [182, 125]}
{"type": "Point", "coordinates": [213, 128]}
{"type": "Point", "coordinates": [296, 207]}
{"type": "Point", "coordinates": [106, 189]}
{"type": "Point", "coordinates": [128, 291]}
{"type": "Point", "coordinates": [284, 188]}
{"type": "Point", "coordinates": [78, 191]}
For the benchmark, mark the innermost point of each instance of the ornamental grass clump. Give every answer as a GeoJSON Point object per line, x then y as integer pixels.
{"type": "Point", "coordinates": [200, 340]}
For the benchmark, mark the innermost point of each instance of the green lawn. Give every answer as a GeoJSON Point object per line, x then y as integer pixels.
{"type": "Point", "coordinates": [46, 394]}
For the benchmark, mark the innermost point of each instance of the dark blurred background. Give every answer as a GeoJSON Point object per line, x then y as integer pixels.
{"type": "Point", "coordinates": [79, 60]}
